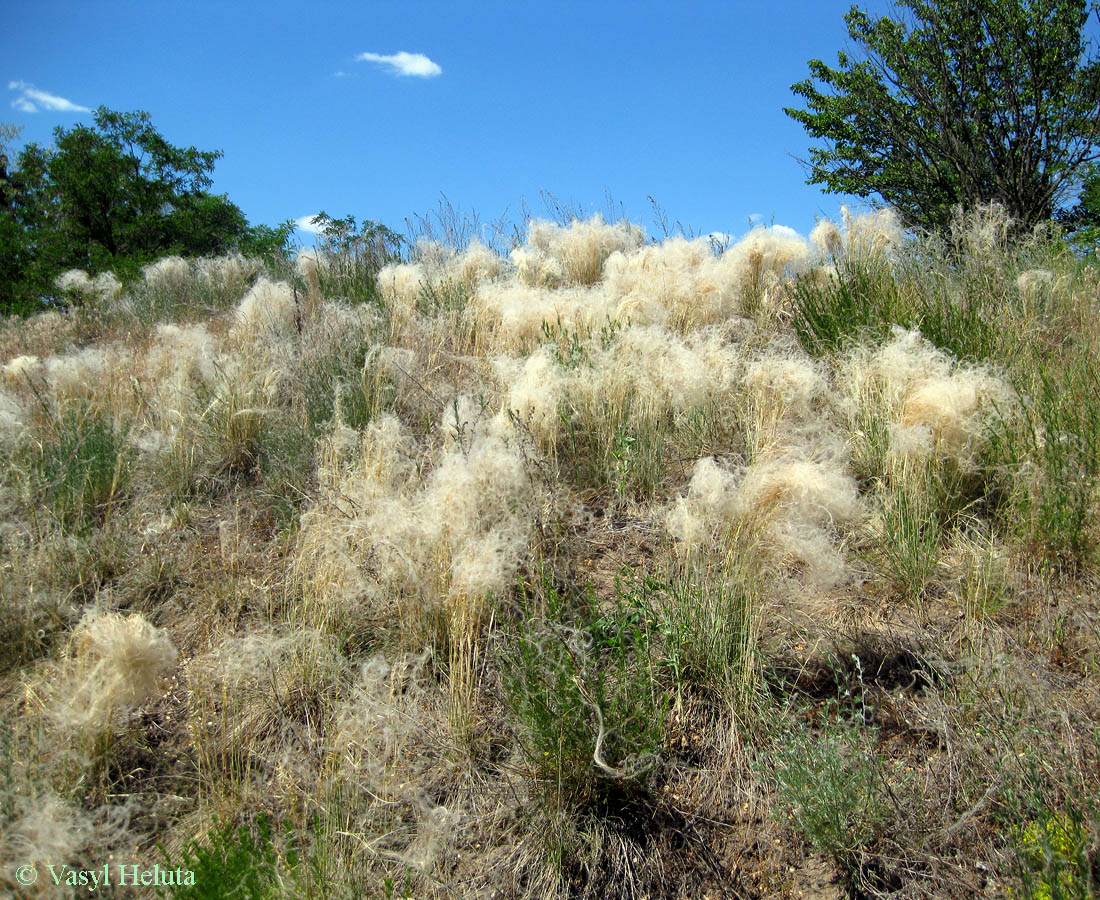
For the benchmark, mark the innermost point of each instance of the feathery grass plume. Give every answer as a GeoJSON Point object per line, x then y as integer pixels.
{"type": "Point", "coordinates": [955, 411]}
{"type": "Point", "coordinates": [42, 335]}
{"type": "Point", "coordinates": [268, 309]}
{"type": "Point", "coordinates": [534, 388]}
{"type": "Point", "coordinates": [12, 419]}
{"type": "Point", "coordinates": [113, 665]}
{"type": "Point", "coordinates": [694, 517]}
{"type": "Point", "coordinates": [220, 281]}
{"type": "Point", "coordinates": [793, 384]}
{"type": "Point", "coordinates": [255, 695]}
{"type": "Point", "coordinates": [168, 273]}
{"type": "Point", "coordinates": [44, 829]}
{"type": "Point", "coordinates": [435, 271]}
{"type": "Point", "coordinates": [368, 516]}
{"type": "Point", "coordinates": [107, 286]}
{"type": "Point", "coordinates": [817, 492]}
{"type": "Point", "coordinates": [85, 373]}
{"type": "Point", "coordinates": [511, 316]}
{"type": "Point", "coordinates": [435, 549]}
{"type": "Point", "coordinates": [1035, 286]}
{"type": "Point", "coordinates": [233, 268]}
{"type": "Point", "coordinates": [926, 401]}
{"type": "Point", "coordinates": [784, 404]}
{"type": "Point", "coordinates": [393, 746]}
{"type": "Point", "coordinates": [554, 255]}
{"type": "Point", "coordinates": [400, 285]}
{"type": "Point", "coordinates": [677, 282]}
{"type": "Point", "coordinates": [24, 369]}
{"type": "Point", "coordinates": [662, 371]}
{"type": "Point", "coordinates": [308, 264]}
{"type": "Point", "coordinates": [182, 354]}
{"type": "Point", "coordinates": [74, 281]}
{"type": "Point", "coordinates": [827, 239]}
{"type": "Point", "coordinates": [789, 504]}
{"type": "Point", "coordinates": [871, 235]}
{"type": "Point", "coordinates": [758, 263]}
{"type": "Point", "coordinates": [1031, 281]}
{"type": "Point", "coordinates": [334, 365]}
{"type": "Point", "coordinates": [232, 425]}
{"type": "Point", "coordinates": [981, 233]}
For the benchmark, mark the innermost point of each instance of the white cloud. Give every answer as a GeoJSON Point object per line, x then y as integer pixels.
{"type": "Point", "coordinates": [31, 100]}
{"type": "Point", "coordinates": [416, 64]}
{"type": "Point", "coordinates": [305, 223]}
{"type": "Point", "coordinates": [755, 217]}
{"type": "Point", "coordinates": [785, 230]}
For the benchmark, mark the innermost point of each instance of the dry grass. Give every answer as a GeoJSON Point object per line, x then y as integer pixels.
{"type": "Point", "coordinates": [607, 568]}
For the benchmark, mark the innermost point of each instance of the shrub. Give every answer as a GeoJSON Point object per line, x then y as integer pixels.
{"type": "Point", "coordinates": [586, 700]}
{"type": "Point", "coordinates": [831, 785]}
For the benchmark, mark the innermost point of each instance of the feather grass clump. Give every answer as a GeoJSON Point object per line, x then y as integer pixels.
{"type": "Point", "coordinates": [790, 506]}
{"type": "Point", "coordinates": [928, 404]}
{"type": "Point", "coordinates": [574, 255]}
{"type": "Point", "coordinates": [113, 665]}
{"type": "Point", "coordinates": [268, 309]}
{"type": "Point", "coordinates": [393, 745]}
{"type": "Point", "coordinates": [678, 283]}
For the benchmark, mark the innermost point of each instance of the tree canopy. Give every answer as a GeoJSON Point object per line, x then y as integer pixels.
{"type": "Point", "coordinates": [114, 195]}
{"type": "Point", "coordinates": [958, 102]}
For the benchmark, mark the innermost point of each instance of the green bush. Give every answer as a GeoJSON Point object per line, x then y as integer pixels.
{"type": "Point", "coordinates": [586, 700]}
{"type": "Point", "coordinates": [862, 301]}
{"type": "Point", "coordinates": [233, 862]}
{"type": "Point", "coordinates": [831, 785]}
{"type": "Point", "coordinates": [866, 298]}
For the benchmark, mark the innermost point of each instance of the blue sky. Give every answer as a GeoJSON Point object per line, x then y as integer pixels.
{"type": "Point", "coordinates": [678, 101]}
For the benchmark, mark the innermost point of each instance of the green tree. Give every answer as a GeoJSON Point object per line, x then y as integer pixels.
{"type": "Point", "coordinates": [114, 195]}
{"type": "Point", "coordinates": [958, 102]}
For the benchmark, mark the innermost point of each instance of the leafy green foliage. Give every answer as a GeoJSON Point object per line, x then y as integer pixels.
{"type": "Point", "coordinates": [353, 255]}
{"type": "Point", "coordinates": [857, 303]}
{"type": "Point", "coordinates": [233, 862]}
{"type": "Point", "coordinates": [113, 196]}
{"type": "Point", "coordinates": [965, 102]}
{"type": "Point", "coordinates": [863, 300]}
{"type": "Point", "coordinates": [832, 785]}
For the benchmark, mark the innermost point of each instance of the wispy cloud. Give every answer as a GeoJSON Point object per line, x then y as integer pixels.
{"type": "Point", "coordinates": [305, 223]}
{"type": "Point", "coordinates": [415, 64]}
{"type": "Point", "coordinates": [32, 100]}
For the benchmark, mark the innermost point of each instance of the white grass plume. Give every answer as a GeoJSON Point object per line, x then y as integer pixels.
{"type": "Point", "coordinates": [167, 273]}
{"type": "Point", "coordinates": [267, 309]}
{"type": "Point", "coordinates": [114, 664]}
{"type": "Point", "coordinates": [932, 405]}
{"type": "Point", "coordinates": [392, 742]}
{"type": "Point", "coordinates": [789, 505]}
{"type": "Point", "coordinates": [677, 282]}
{"type": "Point", "coordinates": [555, 256]}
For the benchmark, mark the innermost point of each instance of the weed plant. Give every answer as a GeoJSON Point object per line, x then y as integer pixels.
{"type": "Point", "coordinates": [587, 701]}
